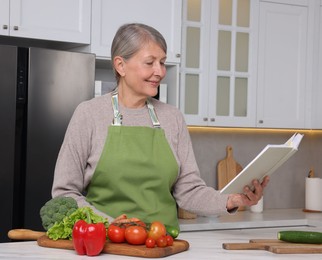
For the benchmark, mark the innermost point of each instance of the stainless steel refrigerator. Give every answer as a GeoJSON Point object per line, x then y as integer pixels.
{"type": "Point", "coordinates": [39, 91]}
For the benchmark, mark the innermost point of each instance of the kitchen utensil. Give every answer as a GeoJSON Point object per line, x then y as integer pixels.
{"type": "Point", "coordinates": [227, 169]}
{"type": "Point", "coordinates": [122, 248]}
{"type": "Point", "coordinates": [25, 234]}
{"type": "Point", "coordinates": [275, 246]}
{"type": "Point", "coordinates": [109, 248]}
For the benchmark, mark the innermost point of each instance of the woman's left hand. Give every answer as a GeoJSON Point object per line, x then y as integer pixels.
{"type": "Point", "coordinates": [249, 197]}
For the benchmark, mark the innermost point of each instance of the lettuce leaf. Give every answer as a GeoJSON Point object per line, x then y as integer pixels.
{"type": "Point", "coordinates": [64, 228]}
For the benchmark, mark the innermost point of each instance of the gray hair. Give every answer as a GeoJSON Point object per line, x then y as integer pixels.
{"type": "Point", "coordinates": [129, 39]}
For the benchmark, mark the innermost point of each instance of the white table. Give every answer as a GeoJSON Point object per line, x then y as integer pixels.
{"type": "Point", "coordinates": [203, 244]}
{"type": "Point", "coordinates": [247, 219]}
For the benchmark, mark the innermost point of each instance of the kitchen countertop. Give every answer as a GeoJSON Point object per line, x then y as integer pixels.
{"type": "Point", "coordinates": [205, 244]}
{"type": "Point", "coordinates": [248, 219]}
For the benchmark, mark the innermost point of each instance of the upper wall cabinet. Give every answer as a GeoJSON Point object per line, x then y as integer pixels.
{"type": "Point", "coordinates": [282, 89]}
{"type": "Point", "coordinates": [109, 15]}
{"type": "Point", "coordinates": [57, 20]}
{"type": "Point", "coordinates": [217, 83]}
{"type": "Point", "coordinates": [252, 63]}
{"type": "Point", "coordinates": [4, 17]}
{"type": "Point", "coordinates": [317, 70]}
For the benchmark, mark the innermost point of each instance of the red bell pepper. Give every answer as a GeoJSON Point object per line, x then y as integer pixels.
{"type": "Point", "coordinates": [88, 239]}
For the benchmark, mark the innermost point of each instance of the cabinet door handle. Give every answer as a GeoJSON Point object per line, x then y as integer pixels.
{"type": "Point", "coordinates": [261, 121]}
{"type": "Point", "coordinates": [212, 119]}
{"type": "Point", "coordinates": [178, 55]}
{"type": "Point", "coordinates": [16, 28]}
{"type": "Point", "coordinates": [205, 119]}
{"type": "Point", "coordinates": [4, 27]}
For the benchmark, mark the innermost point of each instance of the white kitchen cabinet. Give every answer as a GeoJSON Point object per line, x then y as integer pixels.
{"type": "Point", "coordinates": [218, 62]}
{"type": "Point", "coordinates": [317, 72]}
{"type": "Point", "coordinates": [109, 15]}
{"type": "Point", "coordinates": [318, 101]}
{"type": "Point", "coordinates": [57, 20]}
{"type": "Point", "coordinates": [281, 85]}
{"type": "Point", "coordinates": [282, 65]}
{"type": "Point", "coordinates": [4, 17]}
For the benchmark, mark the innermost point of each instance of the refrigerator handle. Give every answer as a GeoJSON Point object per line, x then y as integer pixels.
{"type": "Point", "coordinates": [22, 75]}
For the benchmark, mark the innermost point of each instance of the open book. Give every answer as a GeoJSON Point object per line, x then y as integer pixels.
{"type": "Point", "coordinates": [265, 163]}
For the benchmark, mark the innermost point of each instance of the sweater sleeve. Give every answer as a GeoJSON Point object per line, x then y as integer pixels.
{"type": "Point", "coordinates": [190, 190]}
{"type": "Point", "coordinates": [70, 178]}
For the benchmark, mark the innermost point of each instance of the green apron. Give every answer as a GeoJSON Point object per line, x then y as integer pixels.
{"type": "Point", "coordinates": [135, 173]}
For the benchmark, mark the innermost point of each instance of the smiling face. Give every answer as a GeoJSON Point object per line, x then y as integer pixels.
{"type": "Point", "coordinates": [140, 75]}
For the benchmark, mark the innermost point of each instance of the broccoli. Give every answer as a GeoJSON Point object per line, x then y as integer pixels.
{"type": "Point", "coordinates": [56, 209]}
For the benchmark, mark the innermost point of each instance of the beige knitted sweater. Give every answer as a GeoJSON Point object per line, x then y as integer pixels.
{"type": "Point", "coordinates": [85, 138]}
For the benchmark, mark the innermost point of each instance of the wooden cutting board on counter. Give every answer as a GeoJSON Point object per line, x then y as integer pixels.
{"type": "Point", "coordinates": [227, 169]}
{"type": "Point", "coordinates": [109, 248]}
{"type": "Point", "coordinates": [275, 246]}
{"type": "Point", "coordinates": [122, 248]}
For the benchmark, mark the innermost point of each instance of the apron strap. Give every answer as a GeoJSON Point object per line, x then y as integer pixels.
{"type": "Point", "coordinates": [115, 104]}
{"type": "Point", "coordinates": [118, 116]}
{"type": "Point", "coordinates": [153, 115]}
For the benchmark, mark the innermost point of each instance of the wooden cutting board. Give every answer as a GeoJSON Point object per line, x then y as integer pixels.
{"type": "Point", "coordinates": [109, 248]}
{"type": "Point", "coordinates": [275, 246]}
{"type": "Point", "coordinates": [122, 248]}
{"type": "Point", "coordinates": [227, 169]}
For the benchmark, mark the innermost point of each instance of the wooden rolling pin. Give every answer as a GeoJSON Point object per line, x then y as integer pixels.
{"type": "Point", "coordinates": [25, 234]}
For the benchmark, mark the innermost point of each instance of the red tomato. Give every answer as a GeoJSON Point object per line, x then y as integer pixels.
{"type": "Point", "coordinates": [116, 233]}
{"type": "Point", "coordinates": [157, 229]}
{"type": "Point", "coordinates": [162, 241]}
{"type": "Point", "coordinates": [150, 242]}
{"type": "Point", "coordinates": [136, 235]}
{"type": "Point", "coordinates": [169, 240]}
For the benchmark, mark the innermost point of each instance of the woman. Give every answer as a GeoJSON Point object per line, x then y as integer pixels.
{"type": "Point", "coordinates": [127, 153]}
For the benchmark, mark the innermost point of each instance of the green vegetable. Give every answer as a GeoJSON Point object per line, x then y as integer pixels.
{"type": "Point", "coordinates": [172, 231]}
{"type": "Point", "coordinates": [306, 237]}
{"type": "Point", "coordinates": [56, 209]}
{"type": "Point", "coordinates": [64, 229]}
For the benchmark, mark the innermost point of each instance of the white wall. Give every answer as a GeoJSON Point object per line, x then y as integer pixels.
{"type": "Point", "coordinates": [286, 188]}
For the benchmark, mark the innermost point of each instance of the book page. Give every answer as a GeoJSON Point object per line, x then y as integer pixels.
{"type": "Point", "coordinates": [265, 163]}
